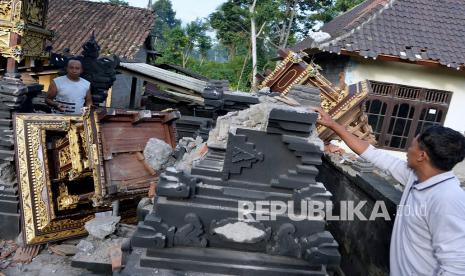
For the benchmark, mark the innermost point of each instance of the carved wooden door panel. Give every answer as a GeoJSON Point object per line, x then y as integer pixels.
{"type": "Point", "coordinates": [70, 167]}
{"type": "Point", "coordinates": [38, 185]}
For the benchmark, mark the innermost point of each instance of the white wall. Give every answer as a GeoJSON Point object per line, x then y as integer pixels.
{"type": "Point", "coordinates": [415, 75]}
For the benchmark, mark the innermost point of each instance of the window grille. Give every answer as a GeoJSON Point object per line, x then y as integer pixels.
{"type": "Point", "coordinates": [397, 113]}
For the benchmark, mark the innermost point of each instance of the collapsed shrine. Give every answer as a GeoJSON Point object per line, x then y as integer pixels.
{"type": "Point", "coordinates": [63, 170]}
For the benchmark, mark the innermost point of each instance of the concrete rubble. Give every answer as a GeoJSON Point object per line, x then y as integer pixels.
{"type": "Point", "coordinates": [189, 150]}
{"type": "Point", "coordinates": [157, 153]}
{"type": "Point", "coordinates": [100, 227]}
{"type": "Point", "coordinates": [255, 118]}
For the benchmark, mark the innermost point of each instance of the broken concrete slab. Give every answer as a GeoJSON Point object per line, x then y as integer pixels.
{"type": "Point", "coordinates": [85, 246]}
{"type": "Point", "coordinates": [98, 259]}
{"type": "Point", "coordinates": [63, 249]}
{"type": "Point", "coordinates": [100, 227]}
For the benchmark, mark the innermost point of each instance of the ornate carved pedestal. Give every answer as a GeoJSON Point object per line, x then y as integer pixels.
{"type": "Point", "coordinates": [194, 224]}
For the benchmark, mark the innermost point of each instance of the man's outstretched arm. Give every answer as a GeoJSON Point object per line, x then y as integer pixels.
{"type": "Point", "coordinates": [396, 167]}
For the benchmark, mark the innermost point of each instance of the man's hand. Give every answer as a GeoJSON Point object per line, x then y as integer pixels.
{"type": "Point", "coordinates": [354, 143]}
{"type": "Point", "coordinates": [59, 107]}
{"type": "Point", "coordinates": [324, 118]}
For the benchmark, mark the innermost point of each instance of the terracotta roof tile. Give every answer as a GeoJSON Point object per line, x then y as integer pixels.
{"type": "Point", "coordinates": [119, 30]}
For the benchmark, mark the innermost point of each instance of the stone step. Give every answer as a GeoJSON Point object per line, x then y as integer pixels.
{"type": "Point", "coordinates": [9, 225]}
{"type": "Point", "coordinates": [212, 260]}
{"type": "Point", "coordinates": [9, 197]}
{"type": "Point", "coordinates": [9, 206]}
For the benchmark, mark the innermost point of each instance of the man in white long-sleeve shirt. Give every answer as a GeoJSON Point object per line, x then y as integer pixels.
{"type": "Point", "coordinates": [428, 237]}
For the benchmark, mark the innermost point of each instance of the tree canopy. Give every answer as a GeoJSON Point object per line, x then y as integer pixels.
{"type": "Point", "coordinates": [271, 24]}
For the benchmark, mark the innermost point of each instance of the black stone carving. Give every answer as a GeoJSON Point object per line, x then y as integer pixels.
{"type": "Point", "coordinates": [363, 166]}
{"type": "Point", "coordinates": [190, 126]}
{"type": "Point", "coordinates": [241, 155]}
{"type": "Point", "coordinates": [175, 184]}
{"type": "Point", "coordinates": [285, 243]}
{"type": "Point", "coordinates": [318, 249]}
{"type": "Point", "coordinates": [305, 95]}
{"type": "Point", "coordinates": [153, 233]}
{"type": "Point", "coordinates": [278, 164]}
{"type": "Point", "coordinates": [190, 234]}
{"type": "Point", "coordinates": [100, 72]}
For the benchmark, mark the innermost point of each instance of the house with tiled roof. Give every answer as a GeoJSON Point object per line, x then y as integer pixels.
{"type": "Point", "coordinates": [413, 54]}
{"type": "Point", "coordinates": [123, 31]}
{"type": "Point", "coordinates": [119, 30]}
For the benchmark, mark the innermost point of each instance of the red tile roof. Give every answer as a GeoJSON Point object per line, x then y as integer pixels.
{"type": "Point", "coordinates": [119, 30]}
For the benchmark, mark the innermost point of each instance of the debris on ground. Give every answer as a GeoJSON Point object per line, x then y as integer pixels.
{"type": "Point", "coordinates": [85, 246]}
{"type": "Point", "coordinates": [63, 249]}
{"type": "Point", "coordinates": [100, 227]}
{"type": "Point", "coordinates": [71, 257]}
{"type": "Point", "coordinates": [45, 264]}
{"type": "Point", "coordinates": [188, 151]}
{"type": "Point", "coordinates": [25, 254]}
{"type": "Point", "coordinates": [98, 257]}
{"type": "Point", "coordinates": [7, 248]}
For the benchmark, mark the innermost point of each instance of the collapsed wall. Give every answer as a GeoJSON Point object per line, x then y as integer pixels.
{"type": "Point", "coordinates": [265, 153]}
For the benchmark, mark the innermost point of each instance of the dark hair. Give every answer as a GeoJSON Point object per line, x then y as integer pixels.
{"type": "Point", "coordinates": [444, 146]}
{"type": "Point", "coordinates": [71, 59]}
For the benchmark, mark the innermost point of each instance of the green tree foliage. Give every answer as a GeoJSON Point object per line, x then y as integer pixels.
{"type": "Point", "coordinates": [279, 23]}
{"type": "Point", "coordinates": [165, 20]}
{"type": "Point", "coordinates": [119, 2]}
{"type": "Point", "coordinates": [180, 43]}
{"type": "Point", "coordinates": [338, 7]}
{"type": "Point", "coordinates": [231, 22]}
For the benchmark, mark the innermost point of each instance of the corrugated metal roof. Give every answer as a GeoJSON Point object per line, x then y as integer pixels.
{"type": "Point", "coordinates": [165, 76]}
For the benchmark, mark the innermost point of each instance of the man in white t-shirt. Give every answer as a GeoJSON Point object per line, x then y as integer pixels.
{"type": "Point", "coordinates": [428, 237]}
{"type": "Point", "coordinates": [68, 94]}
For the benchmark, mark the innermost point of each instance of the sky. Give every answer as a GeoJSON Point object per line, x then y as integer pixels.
{"type": "Point", "coordinates": [186, 10]}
